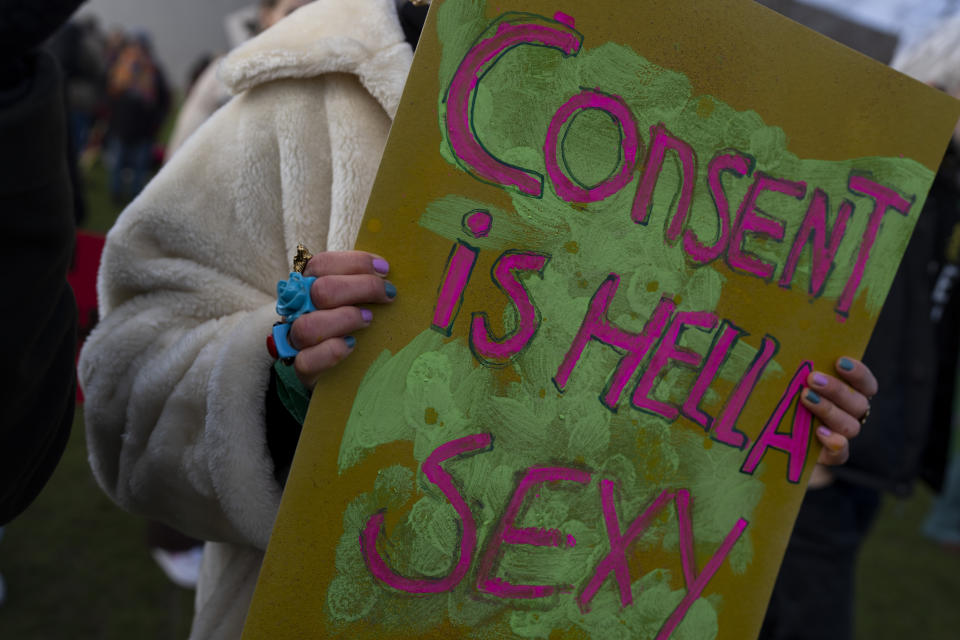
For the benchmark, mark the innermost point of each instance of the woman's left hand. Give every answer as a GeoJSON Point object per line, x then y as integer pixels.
{"type": "Point", "coordinates": [841, 404]}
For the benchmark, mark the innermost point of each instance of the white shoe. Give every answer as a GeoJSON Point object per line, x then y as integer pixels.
{"type": "Point", "coordinates": [182, 567]}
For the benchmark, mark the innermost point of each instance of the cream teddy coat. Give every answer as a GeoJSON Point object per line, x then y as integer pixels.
{"type": "Point", "coordinates": [176, 372]}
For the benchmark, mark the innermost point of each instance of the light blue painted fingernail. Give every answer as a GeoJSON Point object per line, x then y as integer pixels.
{"type": "Point", "coordinates": [351, 342]}
{"type": "Point", "coordinates": [846, 364]}
{"type": "Point", "coordinates": [813, 397]}
{"type": "Point", "coordinates": [390, 289]}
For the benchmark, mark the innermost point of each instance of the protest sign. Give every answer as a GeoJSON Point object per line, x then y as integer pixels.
{"type": "Point", "coordinates": [623, 234]}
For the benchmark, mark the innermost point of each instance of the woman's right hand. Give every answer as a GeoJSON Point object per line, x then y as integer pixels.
{"type": "Point", "coordinates": [345, 280]}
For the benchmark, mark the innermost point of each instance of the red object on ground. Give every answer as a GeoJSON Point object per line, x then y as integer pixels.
{"type": "Point", "coordinates": [83, 280]}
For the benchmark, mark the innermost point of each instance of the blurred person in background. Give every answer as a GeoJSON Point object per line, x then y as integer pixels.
{"type": "Point", "coordinates": [96, 146]}
{"type": "Point", "coordinates": [78, 49]}
{"type": "Point", "coordinates": [936, 61]}
{"type": "Point", "coordinates": [197, 67]}
{"type": "Point", "coordinates": [116, 40]}
{"type": "Point", "coordinates": [37, 217]}
{"type": "Point", "coordinates": [139, 100]}
{"type": "Point", "coordinates": [943, 522]}
{"type": "Point", "coordinates": [209, 93]}
{"type": "Point", "coordinates": [913, 353]}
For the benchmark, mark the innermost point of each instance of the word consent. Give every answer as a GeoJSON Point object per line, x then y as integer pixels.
{"type": "Point", "coordinates": [613, 565]}
{"type": "Point", "coordinates": [512, 30]}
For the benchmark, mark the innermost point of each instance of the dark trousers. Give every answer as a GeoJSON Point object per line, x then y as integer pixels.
{"type": "Point", "coordinates": [130, 169]}
{"type": "Point", "coordinates": [813, 595]}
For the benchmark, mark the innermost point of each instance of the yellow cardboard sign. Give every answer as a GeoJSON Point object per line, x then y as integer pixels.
{"type": "Point", "coordinates": [623, 234]}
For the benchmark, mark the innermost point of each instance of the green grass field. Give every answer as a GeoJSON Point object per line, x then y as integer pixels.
{"type": "Point", "coordinates": [77, 567]}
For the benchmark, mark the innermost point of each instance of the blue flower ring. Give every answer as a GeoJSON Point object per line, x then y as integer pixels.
{"type": "Point", "coordinates": [282, 349]}
{"type": "Point", "coordinates": [293, 296]}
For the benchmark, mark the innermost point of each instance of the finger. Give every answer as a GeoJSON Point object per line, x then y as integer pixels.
{"type": "Point", "coordinates": [333, 263]}
{"type": "Point", "coordinates": [313, 361]}
{"type": "Point", "coordinates": [312, 328]}
{"type": "Point", "coordinates": [830, 415]}
{"type": "Point", "coordinates": [857, 375]}
{"type": "Point", "coordinates": [330, 292]}
{"type": "Point", "coordinates": [839, 393]}
{"type": "Point", "coordinates": [836, 448]}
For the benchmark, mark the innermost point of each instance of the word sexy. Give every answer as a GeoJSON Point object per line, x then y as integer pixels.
{"type": "Point", "coordinates": [512, 30]}
{"type": "Point", "coordinates": [614, 564]}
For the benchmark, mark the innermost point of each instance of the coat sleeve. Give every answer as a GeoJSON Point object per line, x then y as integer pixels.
{"type": "Point", "coordinates": [175, 373]}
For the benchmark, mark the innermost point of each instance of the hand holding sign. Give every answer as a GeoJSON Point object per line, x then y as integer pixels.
{"type": "Point", "coordinates": [344, 279]}
{"type": "Point", "coordinates": [841, 406]}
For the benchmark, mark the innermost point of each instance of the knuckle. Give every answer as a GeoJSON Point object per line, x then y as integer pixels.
{"type": "Point", "coordinates": [836, 450]}
{"type": "Point", "coordinates": [337, 350]}
{"type": "Point", "coordinates": [319, 263]}
{"type": "Point", "coordinates": [843, 455]}
{"type": "Point", "coordinates": [323, 292]}
{"type": "Point", "coordinates": [313, 361]}
{"type": "Point", "coordinates": [301, 365]}
{"type": "Point", "coordinates": [838, 457]}
{"type": "Point", "coordinates": [375, 290]}
{"type": "Point", "coordinates": [827, 412]}
{"type": "Point", "coordinates": [862, 380]}
{"type": "Point", "coordinates": [296, 337]}
{"type": "Point", "coordinates": [852, 429]}
{"type": "Point", "coordinates": [857, 378]}
{"type": "Point", "coordinates": [341, 319]}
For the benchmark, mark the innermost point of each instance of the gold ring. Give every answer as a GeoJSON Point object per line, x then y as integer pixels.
{"type": "Point", "coordinates": [301, 258]}
{"type": "Point", "coordinates": [866, 414]}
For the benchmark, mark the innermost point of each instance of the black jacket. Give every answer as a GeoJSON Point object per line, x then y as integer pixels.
{"type": "Point", "coordinates": [913, 353]}
{"type": "Point", "coordinates": [38, 340]}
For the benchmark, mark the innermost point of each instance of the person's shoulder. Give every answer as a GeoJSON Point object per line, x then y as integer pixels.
{"type": "Point", "coordinates": [359, 37]}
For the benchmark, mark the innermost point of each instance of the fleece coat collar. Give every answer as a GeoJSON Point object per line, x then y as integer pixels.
{"type": "Point", "coordinates": [328, 36]}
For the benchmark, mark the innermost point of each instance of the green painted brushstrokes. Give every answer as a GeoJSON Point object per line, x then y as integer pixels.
{"type": "Point", "coordinates": [433, 391]}
{"type": "Point", "coordinates": [657, 95]}
{"type": "Point", "coordinates": [654, 600]}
